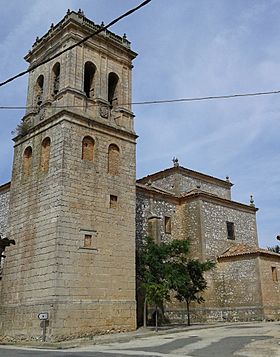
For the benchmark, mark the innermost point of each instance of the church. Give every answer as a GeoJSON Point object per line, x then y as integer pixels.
{"type": "Point", "coordinates": [76, 211]}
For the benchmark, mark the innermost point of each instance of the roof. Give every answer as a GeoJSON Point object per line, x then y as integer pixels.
{"type": "Point", "coordinates": [239, 249]}
{"type": "Point", "coordinates": [5, 186]}
{"type": "Point", "coordinates": [186, 172]}
{"type": "Point", "coordinates": [88, 25]}
{"type": "Point", "coordinates": [194, 194]}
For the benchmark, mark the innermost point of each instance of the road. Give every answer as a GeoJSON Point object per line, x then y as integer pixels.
{"type": "Point", "coordinates": [257, 339]}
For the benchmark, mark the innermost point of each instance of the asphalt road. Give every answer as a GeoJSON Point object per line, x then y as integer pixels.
{"type": "Point", "coordinates": [247, 339]}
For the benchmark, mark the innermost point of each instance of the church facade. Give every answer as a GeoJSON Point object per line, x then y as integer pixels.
{"type": "Point", "coordinates": [76, 214]}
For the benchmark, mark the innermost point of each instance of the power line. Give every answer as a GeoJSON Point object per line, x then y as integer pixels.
{"type": "Point", "coordinates": [163, 101]}
{"type": "Point", "coordinates": [103, 28]}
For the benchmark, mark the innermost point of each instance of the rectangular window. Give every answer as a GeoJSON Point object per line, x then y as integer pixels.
{"type": "Point", "coordinates": [87, 241]}
{"type": "Point", "coordinates": [113, 201]}
{"type": "Point", "coordinates": [167, 225]}
{"type": "Point", "coordinates": [230, 230]}
{"type": "Point", "coordinates": [274, 274]}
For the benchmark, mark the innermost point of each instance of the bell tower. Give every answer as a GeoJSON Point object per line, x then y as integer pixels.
{"type": "Point", "coordinates": [72, 205]}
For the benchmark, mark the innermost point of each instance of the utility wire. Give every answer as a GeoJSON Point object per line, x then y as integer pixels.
{"type": "Point", "coordinates": [163, 101]}
{"type": "Point", "coordinates": [103, 28]}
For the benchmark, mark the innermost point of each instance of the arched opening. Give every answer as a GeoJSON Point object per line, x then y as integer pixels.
{"type": "Point", "coordinates": [27, 161]}
{"type": "Point", "coordinates": [113, 159]}
{"type": "Point", "coordinates": [88, 148]}
{"type": "Point", "coordinates": [39, 89]}
{"type": "Point", "coordinates": [89, 72]}
{"type": "Point", "coordinates": [113, 84]}
{"type": "Point", "coordinates": [56, 78]}
{"type": "Point", "coordinates": [45, 154]}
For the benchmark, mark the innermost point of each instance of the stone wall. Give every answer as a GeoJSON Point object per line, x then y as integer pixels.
{"type": "Point", "coordinates": [4, 208]}
{"type": "Point", "coordinates": [214, 227]}
{"type": "Point", "coordinates": [270, 285]}
{"type": "Point", "coordinates": [148, 206]}
{"type": "Point", "coordinates": [181, 184]}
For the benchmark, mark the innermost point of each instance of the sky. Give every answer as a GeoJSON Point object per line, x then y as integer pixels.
{"type": "Point", "coordinates": [186, 48]}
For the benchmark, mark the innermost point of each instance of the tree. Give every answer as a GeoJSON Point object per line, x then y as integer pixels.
{"type": "Point", "coordinates": [274, 249]}
{"type": "Point", "coordinates": [190, 281]}
{"type": "Point", "coordinates": [165, 268]}
{"type": "Point", "coordinates": [5, 242]}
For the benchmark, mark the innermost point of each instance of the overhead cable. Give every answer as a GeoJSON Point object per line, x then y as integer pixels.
{"type": "Point", "coordinates": [163, 101]}
{"type": "Point", "coordinates": [103, 28]}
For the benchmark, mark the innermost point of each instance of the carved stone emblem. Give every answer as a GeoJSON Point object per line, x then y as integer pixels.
{"type": "Point", "coordinates": [104, 112]}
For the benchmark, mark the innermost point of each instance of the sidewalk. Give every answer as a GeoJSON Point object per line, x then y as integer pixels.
{"type": "Point", "coordinates": [117, 337]}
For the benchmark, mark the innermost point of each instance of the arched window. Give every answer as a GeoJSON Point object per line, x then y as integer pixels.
{"type": "Point", "coordinates": [113, 89]}
{"type": "Point", "coordinates": [39, 89]}
{"type": "Point", "coordinates": [45, 154]}
{"type": "Point", "coordinates": [27, 161]}
{"type": "Point", "coordinates": [56, 78]}
{"type": "Point", "coordinates": [113, 159]}
{"type": "Point", "coordinates": [88, 148]}
{"type": "Point", "coordinates": [89, 72]}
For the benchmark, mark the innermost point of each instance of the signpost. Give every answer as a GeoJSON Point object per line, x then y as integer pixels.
{"type": "Point", "coordinates": [44, 317]}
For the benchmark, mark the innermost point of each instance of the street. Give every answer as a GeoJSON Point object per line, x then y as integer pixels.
{"type": "Point", "coordinates": [256, 339]}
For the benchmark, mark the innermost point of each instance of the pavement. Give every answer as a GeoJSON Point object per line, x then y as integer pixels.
{"type": "Point", "coordinates": [122, 337]}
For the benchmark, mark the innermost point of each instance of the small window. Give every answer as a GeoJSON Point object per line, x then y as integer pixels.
{"type": "Point", "coordinates": [56, 78]}
{"type": "Point", "coordinates": [113, 201]}
{"type": "Point", "coordinates": [39, 89]}
{"type": "Point", "coordinates": [113, 89]}
{"type": "Point", "coordinates": [230, 231]}
{"type": "Point", "coordinates": [167, 225]}
{"type": "Point", "coordinates": [89, 73]}
{"type": "Point", "coordinates": [88, 148]}
{"type": "Point", "coordinates": [274, 274]}
{"type": "Point", "coordinates": [27, 161]}
{"type": "Point", "coordinates": [88, 241]}
{"type": "Point", "coordinates": [45, 154]}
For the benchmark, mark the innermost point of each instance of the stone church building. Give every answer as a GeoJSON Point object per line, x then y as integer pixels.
{"type": "Point", "coordinates": [75, 212]}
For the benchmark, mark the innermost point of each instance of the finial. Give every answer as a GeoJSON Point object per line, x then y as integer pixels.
{"type": "Point", "coordinates": [227, 179]}
{"type": "Point", "coordinates": [102, 24]}
{"type": "Point", "coordinates": [278, 237]}
{"type": "Point", "coordinates": [52, 26]}
{"type": "Point", "coordinates": [37, 39]}
{"type": "Point", "coordinates": [68, 12]}
{"type": "Point", "coordinates": [175, 162]}
{"type": "Point", "coordinates": [149, 183]}
{"type": "Point", "coordinates": [124, 36]}
{"type": "Point", "coordinates": [252, 202]}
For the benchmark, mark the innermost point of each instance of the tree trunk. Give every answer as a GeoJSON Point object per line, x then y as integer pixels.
{"type": "Point", "coordinates": [145, 313]}
{"type": "Point", "coordinates": [156, 318]}
{"type": "Point", "coordinates": [188, 310]}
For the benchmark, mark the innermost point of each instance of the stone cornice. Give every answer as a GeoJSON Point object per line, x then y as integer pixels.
{"type": "Point", "coordinates": [208, 197]}
{"type": "Point", "coordinates": [89, 122]}
{"type": "Point", "coordinates": [5, 187]}
{"type": "Point", "coordinates": [79, 21]}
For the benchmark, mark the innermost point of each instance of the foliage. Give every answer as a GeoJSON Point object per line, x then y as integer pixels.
{"type": "Point", "coordinates": [165, 268]}
{"type": "Point", "coordinates": [274, 249]}
{"type": "Point", "coordinates": [21, 129]}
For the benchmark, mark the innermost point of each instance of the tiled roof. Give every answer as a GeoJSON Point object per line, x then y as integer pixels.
{"type": "Point", "coordinates": [244, 249]}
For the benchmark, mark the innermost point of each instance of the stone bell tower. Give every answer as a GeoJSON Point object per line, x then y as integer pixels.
{"type": "Point", "coordinates": [72, 205]}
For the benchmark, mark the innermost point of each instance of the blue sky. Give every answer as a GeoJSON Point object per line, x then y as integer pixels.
{"type": "Point", "coordinates": [186, 48]}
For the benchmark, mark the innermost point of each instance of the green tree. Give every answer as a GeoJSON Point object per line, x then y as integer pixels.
{"type": "Point", "coordinates": [189, 281]}
{"type": "Point", "coordinates": [165, 268]}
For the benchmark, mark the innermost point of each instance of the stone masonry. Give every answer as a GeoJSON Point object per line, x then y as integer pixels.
{"type": "Point", "coordinates": [77, 216]}
{"type": "Point", "coordinates": [73, 218]}
{"type": "Point", "coordinates": [201, 210]}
